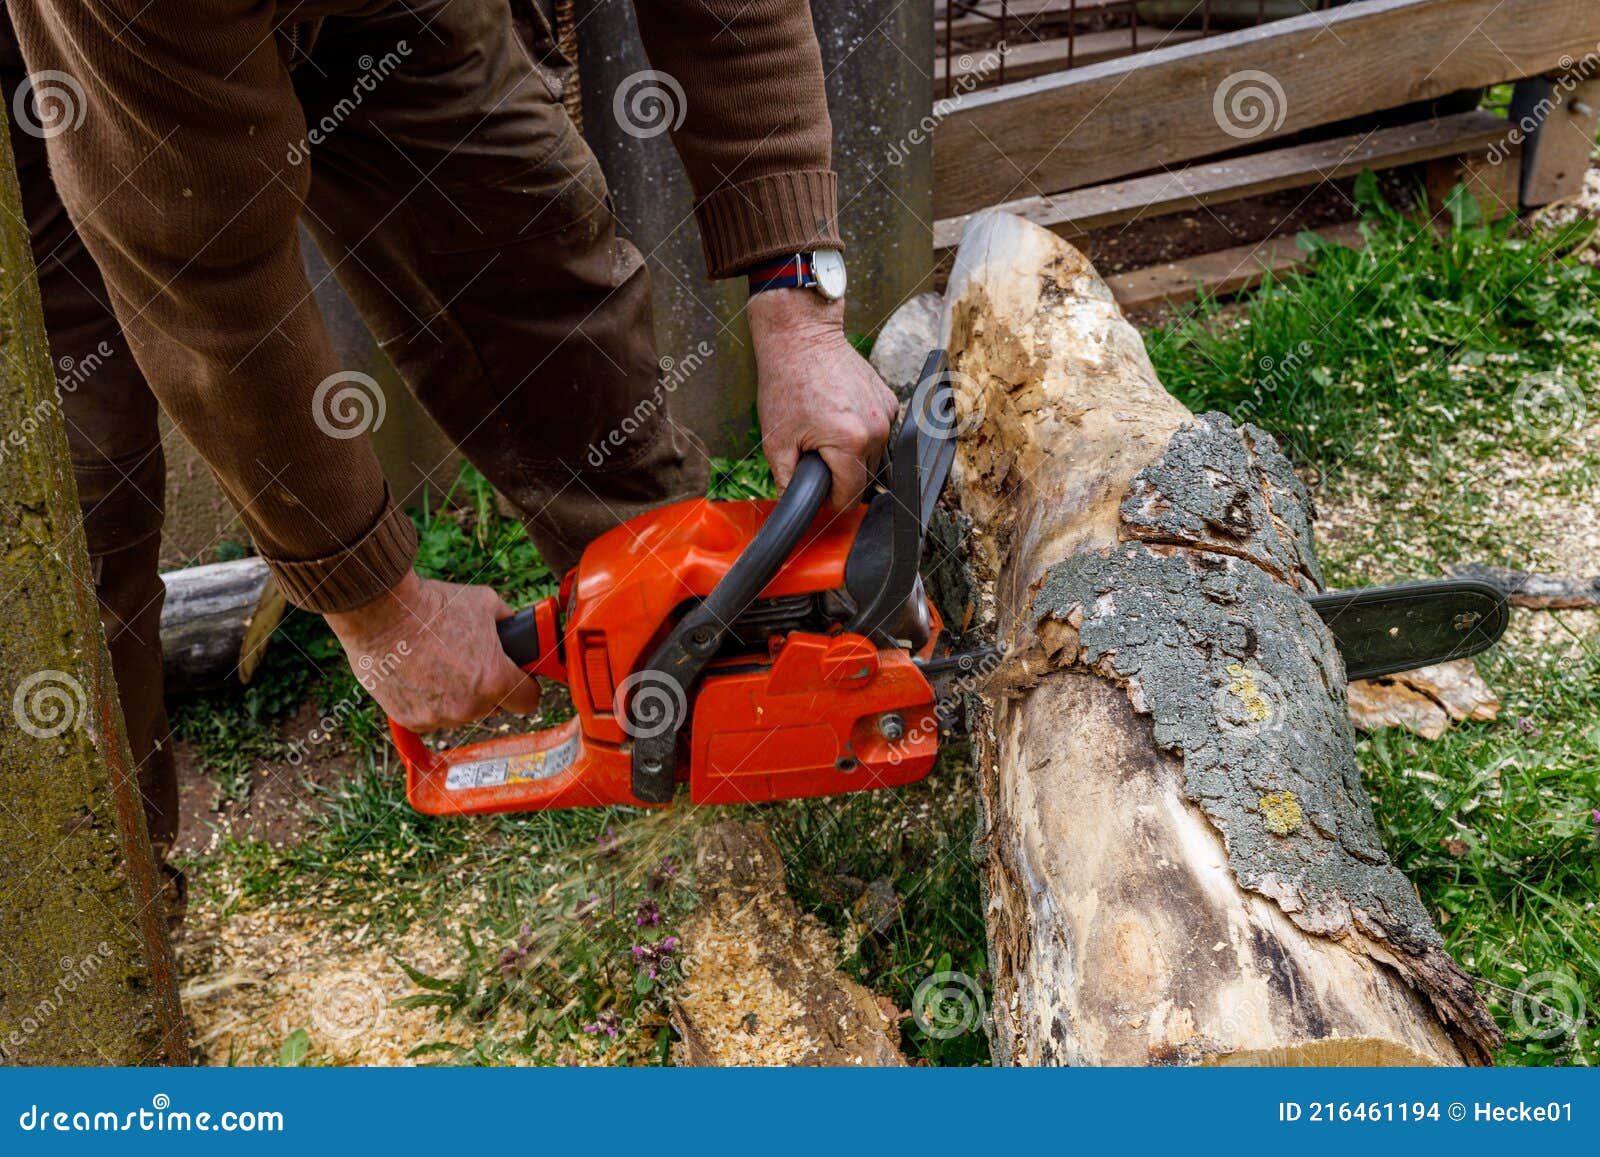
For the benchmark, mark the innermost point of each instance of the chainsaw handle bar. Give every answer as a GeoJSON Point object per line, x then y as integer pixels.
{"type": "Point", "coordinates": [676, 664]}
{"type": "Point", "coordinates": [519, 637]}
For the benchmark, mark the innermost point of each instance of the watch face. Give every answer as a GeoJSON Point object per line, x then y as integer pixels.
{"type": "Point", "coordinates": [828, 266]}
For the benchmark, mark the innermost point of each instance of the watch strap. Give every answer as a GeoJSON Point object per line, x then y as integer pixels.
{"type": "Point", "coordinates": [791, 271]}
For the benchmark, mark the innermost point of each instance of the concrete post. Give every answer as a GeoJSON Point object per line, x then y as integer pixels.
{"type": "Point", "coordinates": [86, 972]}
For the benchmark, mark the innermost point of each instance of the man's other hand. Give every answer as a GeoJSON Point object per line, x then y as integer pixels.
{"type": "Point", "coordinates": [428, 653]}
{"type": "Point", "coordinates": [815, 392]}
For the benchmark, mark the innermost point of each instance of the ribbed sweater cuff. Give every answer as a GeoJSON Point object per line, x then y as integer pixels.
{"type": "Point", "coordinates": [356, 575]}
{"type": "Point", "coordinates": [743, 224]}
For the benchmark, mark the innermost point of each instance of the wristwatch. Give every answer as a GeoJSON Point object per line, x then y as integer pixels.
{"type": "Point", "coordinates": [820, 269]}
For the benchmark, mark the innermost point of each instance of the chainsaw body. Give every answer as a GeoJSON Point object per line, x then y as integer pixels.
{"type": "Point", "coordinates": [756, 650]}
{"type": "Point", "coordinates": [792, 705]}
{"type": "Point", "coordinates": [765, 650]}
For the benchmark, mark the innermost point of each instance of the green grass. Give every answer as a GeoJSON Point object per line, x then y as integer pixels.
{"type": "Point", "coordinates": [1390, 372]}
{"type": "Point", "coordinates": [1393, 373]}
{"type": "Point", "coordinates": [1494, 825]}
{"type": "Point", "coordinates": [1388, 351]}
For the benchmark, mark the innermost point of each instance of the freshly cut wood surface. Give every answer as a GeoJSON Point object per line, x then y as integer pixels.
{"type": "Point", "coordinates": [1182, 866]}
{"type": "Point", "coordinates": [762, 986]}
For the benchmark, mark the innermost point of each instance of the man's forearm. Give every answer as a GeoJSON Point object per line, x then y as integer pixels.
{"type": "Point", "coordinates": [756, 138]}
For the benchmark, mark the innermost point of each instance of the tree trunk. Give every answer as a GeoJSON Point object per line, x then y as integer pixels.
{"type": "Point", "coordinates": [216, 622]}
{"type": "Point", "coordinates": [1182, 864]}
{"type": "Point", "coordinates": [86, 975]}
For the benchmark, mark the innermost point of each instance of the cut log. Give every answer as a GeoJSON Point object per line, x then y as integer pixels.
{"type": "Point", "coordinates": [216, 622]}
{"type": "Point", "coordinates": [761, 986]}
{"type": "Point", "coordinates": [1182, 866]}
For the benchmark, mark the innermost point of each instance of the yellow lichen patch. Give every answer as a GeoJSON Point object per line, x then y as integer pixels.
{"type": "Point", "coordinates": [1282, 812]}
{"type": "Point", "coordinates": [1244, 686]}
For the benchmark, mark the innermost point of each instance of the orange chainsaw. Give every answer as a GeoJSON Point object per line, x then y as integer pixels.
{"type": "Point", "coordinates": [756, 650]}
{"type": "Point", "coordinates": [774, 650]}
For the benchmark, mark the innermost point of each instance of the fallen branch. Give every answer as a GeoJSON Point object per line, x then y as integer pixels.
{"type": "Point", "coordinates": [216, 622]}
{"type": "Point", "coordinates": [1537, 592]}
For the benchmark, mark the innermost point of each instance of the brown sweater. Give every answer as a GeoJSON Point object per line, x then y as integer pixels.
{"type": "Point", "coordinates": [176, 178]}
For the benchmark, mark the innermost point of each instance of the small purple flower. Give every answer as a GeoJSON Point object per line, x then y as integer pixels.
{"type": "Point", "coordinates": [513, 958]}
{"type": "Point", "coordinates": [607, 1022]}
{"type": "Point", "coordinates": [1527, 726]}
{"type": "Point", "coordinates": [1594, 814]}
{"type": "Point", "coordinates": [607, 843]}
{"type": "Point", "coordinates": [647, 913]}
{"type": "Point", "coordinates": [652, 957]}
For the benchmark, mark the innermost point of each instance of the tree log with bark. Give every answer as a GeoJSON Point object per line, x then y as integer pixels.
{"type": "Point", "coordinates": [216, 622]}
{"type": "Point", "coordinates": [1182, 865]}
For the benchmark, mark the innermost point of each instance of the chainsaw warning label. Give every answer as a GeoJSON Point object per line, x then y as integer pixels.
{"type": "Point", "coordinates": [525, 768]}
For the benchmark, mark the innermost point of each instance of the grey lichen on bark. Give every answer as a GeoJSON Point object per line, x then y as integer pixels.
{"type": "Point", "coordinates": [1214, 641]}
{"type": "Point", "coordinates": [85, 970]}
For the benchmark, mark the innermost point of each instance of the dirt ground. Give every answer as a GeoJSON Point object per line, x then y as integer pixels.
{"type": "Point", "coordinates": [283, 797]}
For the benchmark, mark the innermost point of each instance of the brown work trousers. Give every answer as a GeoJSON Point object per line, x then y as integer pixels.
{"type": "Point", "coordinates": [543, 287]}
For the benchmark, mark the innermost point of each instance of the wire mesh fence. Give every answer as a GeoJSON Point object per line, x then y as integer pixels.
{"type": "Point", "coordinates": [987, 42]}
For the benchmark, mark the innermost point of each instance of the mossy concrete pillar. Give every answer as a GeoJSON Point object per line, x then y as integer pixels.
{"type": "Point", "coordinates": [86, 973]}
